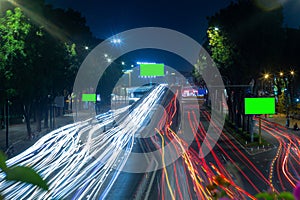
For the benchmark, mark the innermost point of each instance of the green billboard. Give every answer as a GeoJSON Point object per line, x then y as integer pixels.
{"type": "Point", "coordinates": [152, 70]}
{"type": "Point", "coordinates": [88, 97]}
{"type": "Point", "coordinates": [259, 105]}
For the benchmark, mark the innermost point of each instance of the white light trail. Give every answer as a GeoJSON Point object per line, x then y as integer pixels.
{"type": "Point", "coordinates": [78, 160]}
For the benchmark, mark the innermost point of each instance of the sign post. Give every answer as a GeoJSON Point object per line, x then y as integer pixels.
{"type": "Point", "coordinates": [259, 106]}
{"type": "Point", "coordinates": [259, 130]}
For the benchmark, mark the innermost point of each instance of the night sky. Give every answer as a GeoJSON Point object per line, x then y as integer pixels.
{"type": "Point", "coordinates": [106, 18]}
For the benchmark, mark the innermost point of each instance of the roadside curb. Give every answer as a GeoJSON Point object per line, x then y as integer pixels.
{"type": "Point", "coordinates": [19, 141]}
{"type": "Point", "coordinates": [248, 150]}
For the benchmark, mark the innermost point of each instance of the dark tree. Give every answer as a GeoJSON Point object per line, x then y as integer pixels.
{"type": "Point", "coordinates": [244, 40]}
{"type": "Point", "coordinates": [41, 55]}
{"type": "Point", "coordinates": [254, 37]}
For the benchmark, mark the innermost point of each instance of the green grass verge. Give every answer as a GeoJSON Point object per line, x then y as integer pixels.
{"type": "Point", "coordinates": [244, 137]}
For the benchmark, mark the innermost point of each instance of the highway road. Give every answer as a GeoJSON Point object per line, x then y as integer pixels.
{"type": "Point", "coordinates": [95, 159]}
{"type": "Point", "coordinates": [82, 160]}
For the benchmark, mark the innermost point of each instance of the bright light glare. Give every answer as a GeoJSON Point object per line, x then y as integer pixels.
{"type": "Point", "coordinates": [281, 73]}
{"type": "Point", "coordinates": [292, 72]}
{"type": "Point", "coordinates": [139, 63]}
{"type": "Point", "coordinates": [266, 76]}
{"type": "Point", "coordinates": [127, 71]}
{"type": "Point", "coordinates": [116, 41]}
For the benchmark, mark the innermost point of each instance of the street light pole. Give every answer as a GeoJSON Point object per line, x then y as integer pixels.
{"type": "Point", "coordinates": [128, 71]}
{"type": "Point", "coordinates": [7, 122]}
{"type": "Point", "coordinates": [129, 81]}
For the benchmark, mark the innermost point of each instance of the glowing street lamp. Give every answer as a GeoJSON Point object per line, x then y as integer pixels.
{"type": "Point", "coordinates": [128, 71]}
{"type": "Point", "coordinates": [116, 41]}
{"type": "Point", "coordinates": [292, 73]}
{"type": "Point", "coordinates": [281, 73]}
{"type": "Point", "coordinates": [266, 76]}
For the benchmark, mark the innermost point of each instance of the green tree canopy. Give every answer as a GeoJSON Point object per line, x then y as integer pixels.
{"type": "Point", "coordinates": [248, 39]}
{"type": "Point", "coordinates": [41, 51]}
{"type": "Point", "coordinates": [14, 28]}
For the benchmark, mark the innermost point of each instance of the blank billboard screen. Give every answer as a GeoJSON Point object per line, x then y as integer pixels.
{"type": "Point", "coordinates": [260, 105]}
{"type": "Point", "coordinates": [89, 97]}
{"type": "Point", "coordinates": [152, 70]}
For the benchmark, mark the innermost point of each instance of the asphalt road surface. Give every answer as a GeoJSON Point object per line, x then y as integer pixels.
{"type": "Point", "coordinates": [93, 159]}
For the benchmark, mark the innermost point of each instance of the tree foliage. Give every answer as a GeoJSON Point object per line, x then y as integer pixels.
{"type": "Point", "coordinates": [222, 49]}
{"type": "Point", "coordinates": [248, 40]}
{"type": "Point", "coordinates": [23, 174]}
{"type": "Point", "coordinates": [244, 40]}
{"type": "Point", "coordinates": [14, 28]}
{"type": "Point", "coordinates": [41, 51]}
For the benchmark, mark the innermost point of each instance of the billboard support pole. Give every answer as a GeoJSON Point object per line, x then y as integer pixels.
{"type": "Point", "coordinates": [259, 130]}
{"type": "Point", "coordinates": [251, 124]}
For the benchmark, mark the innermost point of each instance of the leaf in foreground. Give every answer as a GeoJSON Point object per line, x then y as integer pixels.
{"type": "Point", "coordinates": [26, 175]}
{"type": "Point", "coordinates": [264, 195]}
{"type": "Point", "coordinates": [2, 161]}
{"type": "Point", "coordinates": [286, 196]}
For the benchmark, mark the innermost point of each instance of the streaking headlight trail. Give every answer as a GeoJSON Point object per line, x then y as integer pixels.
{"type": "Point", "coordinates": [78, 160]}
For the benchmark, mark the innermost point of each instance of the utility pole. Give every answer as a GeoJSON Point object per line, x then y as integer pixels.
{"type": "Point", "coordinates": [7, 121]}
{"type": "Point", "coordinates": [259, 130]}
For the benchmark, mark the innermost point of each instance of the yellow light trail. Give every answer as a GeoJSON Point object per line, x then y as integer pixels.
{"type": "Point", "coordinates": [163, 160]}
